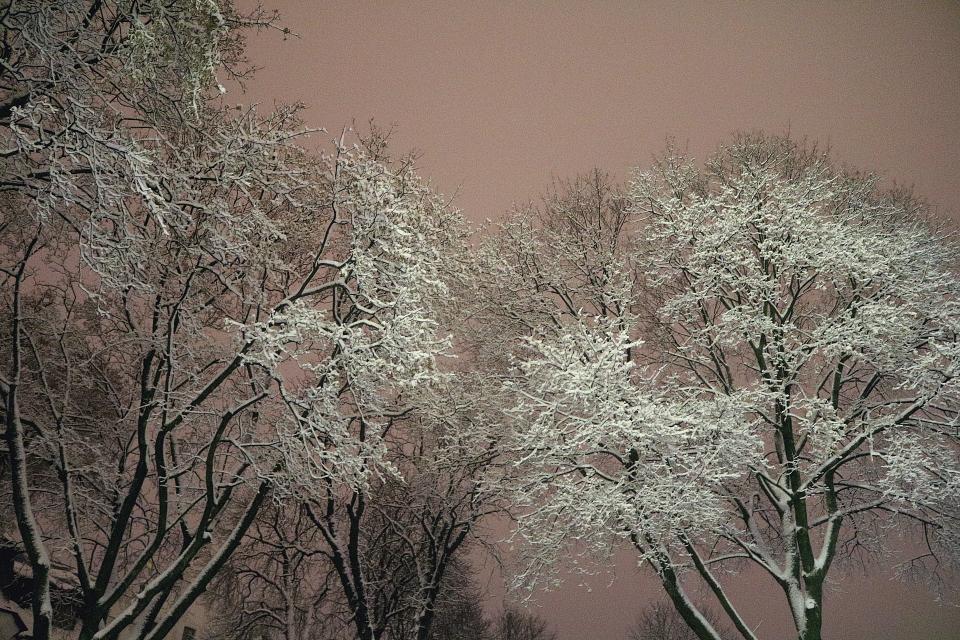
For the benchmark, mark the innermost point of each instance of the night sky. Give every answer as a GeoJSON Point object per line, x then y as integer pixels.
{"type": "Point", "coordinates": [502, 97]}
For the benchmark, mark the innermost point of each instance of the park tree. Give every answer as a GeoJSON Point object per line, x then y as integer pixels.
{"type": "Point", "coordinates": [517, 624]}
{"type": "Point", "coordinates": [397, 544]}
{"type": "Point", "coordinates": [276, 585]}
{"type": "Point", "coordinates": [198, 313]}
{"type": "Point", "coordinates": [662, 622]}
{"type": "Point", "coordinates": [753, 362]}
{"type": "Point", "coordinates": [459, 611]}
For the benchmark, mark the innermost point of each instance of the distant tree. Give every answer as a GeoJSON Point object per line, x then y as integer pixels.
{"type": "Point", "coordinates": [516, 624]}
{"type": "Point", "coordinates": [277, 585]}
{"type": "Point", "coordinates": [393, 542]}
{"type": "Point", "coordinates": [756, 362]}
{"type": "Point", "coordinates": [459, 611]}
{"type": "Point", "coordinates": [662, 622]}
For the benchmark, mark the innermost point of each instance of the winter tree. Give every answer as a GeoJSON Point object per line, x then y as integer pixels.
{"type": "Point", "coordinates": [752, 363]}
{"type": "Point", "coordinates": [517, 624]}
{"type": "Point", "coordinates": [394, 542]}
{"type": "Point", "coordinates": [276, 585]}
{"type": "Point", "coordinates": [662, 622]}
{"type": "Point", "coordinates": [459, 611]}
{"type": "Point", "coordinates": [386, 559]}
{"type": "Point", "coordinates": [197, 312]}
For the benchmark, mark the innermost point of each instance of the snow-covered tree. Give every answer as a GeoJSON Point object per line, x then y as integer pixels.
{"type": "Point", "coordinates": [393, 543]}
{"type": "Point", "coordinates": [197, 312]}
{"type": "Point", "coordinates": [517, 624]}
{"type": "Point", "coordinates": [273, 588]}
{"type": "Point", "coordinates": [750, 363]}
{"type": "Point", "coordinates": [460, 614]}
{"type": "Point", "coordinates": [662, 622]}
{"type": "Point", "coordinates": [281, 367]}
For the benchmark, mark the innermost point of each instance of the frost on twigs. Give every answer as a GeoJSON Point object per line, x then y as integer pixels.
{"type": "Point", "coordinates": [609, 454]}
{"type": "Point", "coordinates": [355, 363]}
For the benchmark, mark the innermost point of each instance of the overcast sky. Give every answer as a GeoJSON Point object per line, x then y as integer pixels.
{"type": "Point", "coordinates": [501, 97]}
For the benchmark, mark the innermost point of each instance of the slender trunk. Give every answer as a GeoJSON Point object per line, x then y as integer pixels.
{"type": "Point", "coordinates": [691, 616]}
{"type": "Point", "coordinates": [718, 592]}
{"type": "Point", "coordinates": [365, 626]}
{"type": "Point", "coordinates": [27, 524]}
{"type": "Point", "coordinates": [674, 590]}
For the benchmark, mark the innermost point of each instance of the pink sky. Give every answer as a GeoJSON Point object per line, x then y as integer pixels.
{"type": "Point", "coordinates": [502, 96]}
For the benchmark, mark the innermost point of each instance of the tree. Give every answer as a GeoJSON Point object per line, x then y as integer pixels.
{"type": "Point", "coordinates": [274, 587]}
{"type": "Point", "coordinates": [797, 388]}
{"type": "Point", "coordinates": [459, 610]}
{"type": "Point", "coordinates": [516, 624]}
{"type": "Point", "coordinates": [389, 552]}
{"type": "Point", "coordinates": [94, 98]}
{"type": "Point", "coordinates": [662, 622]}
{"type": "Point", "coordinates": [394, 542]}
{"type": "Point", "coordinates": [196, 311]}
{"type": "Point", "coordinates": [187, 367]}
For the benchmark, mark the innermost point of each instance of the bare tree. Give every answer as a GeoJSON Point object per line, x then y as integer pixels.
{"type": "Point", "coordinates": [459, 608]}
{"type": "Point", "coordinates": [403, 540]}
{"type": "Point", "coordinates": [662, 622]}
{"type": "Point", "coordinates": [516, 624]}
{"type": "Point", "coordinates": [276, 585]}
{"type": "Point", "coordinates": [392, 543]}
